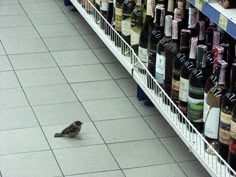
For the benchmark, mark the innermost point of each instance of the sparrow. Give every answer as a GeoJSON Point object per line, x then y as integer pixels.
{"type": "Point", "coordinates": [72, 130]}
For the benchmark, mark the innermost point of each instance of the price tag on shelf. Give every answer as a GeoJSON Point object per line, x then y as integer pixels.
{"type": "Point", "coordinates": [198, 4]}
{"type": "Point", "coordinates": [223, 22]}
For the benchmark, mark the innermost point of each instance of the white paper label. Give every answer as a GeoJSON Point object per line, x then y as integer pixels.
{"type": "Point", "coordinates": [160, 68]}
{"type": "Point", "coordinates": [134, 37]}
{"type": "Point", "coordinates": [143, 55]}
{"type": "Point", "coordinates": [183, 89]}
{"type": "Point", "coordinates": [212, 122]}
{"type": "Point", "coordinates": [206, 107]}
{"type": "Point", "coordinates": [104, 6]}
{"type": "Point", "coordinates": [125, 27]}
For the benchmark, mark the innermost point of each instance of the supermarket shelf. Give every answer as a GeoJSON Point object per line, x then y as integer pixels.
{"type": "Point", "coordinates": [196, 143]}
{"type": "Point", "coordinates": [225, 18]}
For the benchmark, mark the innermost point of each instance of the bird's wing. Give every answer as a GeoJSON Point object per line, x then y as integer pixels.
{"type": "Point", "coordinates": [69, 130]}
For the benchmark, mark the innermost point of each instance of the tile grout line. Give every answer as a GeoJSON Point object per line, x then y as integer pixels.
{"type": "Point", "coordinates": [78, 100]}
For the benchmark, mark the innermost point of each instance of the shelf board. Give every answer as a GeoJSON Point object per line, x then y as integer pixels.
{"type": "Point", "coordinates": [225, 18]}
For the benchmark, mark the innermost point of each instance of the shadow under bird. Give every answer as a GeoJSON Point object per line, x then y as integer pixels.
{"type": "Point", "coordinates": [71, 131]}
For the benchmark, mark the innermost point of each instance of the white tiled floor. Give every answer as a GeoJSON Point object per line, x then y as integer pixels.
{"type": "Point", "coordinates": [54, 70]}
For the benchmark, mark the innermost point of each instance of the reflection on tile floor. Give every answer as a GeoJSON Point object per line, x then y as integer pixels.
{"type": "Point", "coordinates": [54, 70]}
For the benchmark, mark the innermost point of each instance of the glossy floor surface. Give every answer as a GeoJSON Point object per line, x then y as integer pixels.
{"type": "Point", "coordinates": [55, 70]}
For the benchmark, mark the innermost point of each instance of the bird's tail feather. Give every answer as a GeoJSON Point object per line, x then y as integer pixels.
{"type": "Point", "coordinates": [58, 135]}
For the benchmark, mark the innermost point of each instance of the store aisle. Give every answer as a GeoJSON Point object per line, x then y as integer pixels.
{"type": "Point", "coordinates": [55, 70]}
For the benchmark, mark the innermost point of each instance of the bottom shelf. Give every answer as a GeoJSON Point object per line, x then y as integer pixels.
{"type": "Point", "coordinates": [214, 164]}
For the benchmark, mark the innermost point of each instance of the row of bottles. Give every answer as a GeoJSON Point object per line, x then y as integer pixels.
{"type": "Point", "coordinates": [191, 59]}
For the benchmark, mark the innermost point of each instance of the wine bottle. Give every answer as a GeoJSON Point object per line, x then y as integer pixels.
{"type": "Point", "coordinates": [180, 58]}
{"type": "Point", "coordinates": [196, 90]}
{"type": "Point", "coordinates": [127, 8]}
{"type": "Point", "coordinates": [170, 53]}
{"type": "Point", "coordinates": [144, 35]}
{"type": "Point", "coordinates": [109, 16]}
{"type": "Point", "coordinates": [227, 104]}
{"type": "Point", "coordinates": [212, 79]}
{"type": "Point", "coordinates": [155, 36]}
{"type": "Point", "coordinates": [118, 15]}
{"type": "Point", "coordinates": [212, 107]}
{"type": "Point", "coordinates": [136, 25]}
{"type": "Point", "coordinates": [103, 11]}
{"type": "Point", "coordinates": [185, 71]}
{"type": "Point", "coordinates": [192, 20]}
{"type": "Point", "coordinates": [232, 142]}
{"type": "Point", "coordinates": [170, 7]}
{"type": "Point", "coordinates": [200, 28]}
{"type": "Point", "coordinates": [160, 51]}
{"type": "Point", "coordinates": [227, 3]}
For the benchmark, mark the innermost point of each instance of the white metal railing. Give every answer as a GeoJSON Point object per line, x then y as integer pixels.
{"type": "Point", "coordinates": [213, 162]}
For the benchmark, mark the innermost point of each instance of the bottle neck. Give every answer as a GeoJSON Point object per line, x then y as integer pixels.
{"type": "Point", "coordinates": [170, 7]}
{"type": "Point", "coordinates": [175, 30]}
{"type": "Point", "coordinates": [139, 3]}
{"type": "Point", "coordinates": [233, 78]}
{"type": "Point", "coordinates": [201, 56]}
{"type": "Point", "coordinates": [193, 48]}
{"type": "Point", "coordinates": [221, 77]}
{"type": "Point", "coordinates": [168, 26]}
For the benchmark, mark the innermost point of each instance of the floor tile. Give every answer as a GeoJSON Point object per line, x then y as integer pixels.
{"type": "Point", "coordinates": [32, 61]}
{"type": "Point", "coordinates": [177, 149]}
{"type": "Point", "coordinates": [11, 9]}
{"type": "Point", "coordinates": [60, 113]}
{"type": "Point", "coordinates": [36, 164]}
{"type": "Point", "coordinates": [94, 41]}
{"type": "Point", "coordinates": [128, 86]}
{"type": "Point", "coordinates": [5, 65]}
{"type": "Point", "coordinates": [102, 174]}
{"type": "Point", "coordinates": [8, 80]}
{"type": "Point", "coordinates": [87, 136]}
{"type": "Point", "coordinates": [12, 98]}
{"type": "Point", "coordinates": [16, 46]}
{"type": "Point", "coordinates": [50, 95]}
{"type": "Point", "coordinates": [48, 18]}
{"type": "Point", "coordinates": [84, 28]}
{"type": "Point", "coordinates": [29, 139]}
{"type": "Point", "coordinates": [14, 118]}
{"type": "Point", "coordinates": [168, 170]}
{"type": "Point", "coordinates": [8, 2]}
{"type": "Point", "coordinates": [117, 71]}
{"type": "Point", "coordinates": [57, 30]}
{"type": "Point", "coordinates": [45, 76]}
{"type": "Point", "coordinates": [143, 109]}
{"type": "Point", "coordinates": [74, 17]}
{"type": "Point", "coordinates": [14, 21]}
{"type": "Point", "coordinates": [140, 153]}
{"type": "Point", "coordinates": [97, 90]}
{"type": "Point", "coordinates": [91, 159]}
{"type": "Point", "coordinates": [85, 73]}
{"type": "Point", "coordinates": [105, 55]}
{"type": "Point", "coordinates": [194, 169]}
{"type": "Point", "coordinates": [124, 130]}
{"type": "Point", "coordinates": [65, 43]}
{"type": "Point", "coordinates": [23, 32]}
{"type": "Point", "coordinates": [160, 126]}
{"type": "Point", "coordinates": [111, 109]}
{"type": "Point", "coordinates": [75, 57]}
{"type": "Point", "coordinates": [41, 7]}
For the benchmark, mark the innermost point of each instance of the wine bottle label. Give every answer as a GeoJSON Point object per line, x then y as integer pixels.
{"type": "Point", "coordinates": [212, 122]}
{"type": "Point", "coordinates": [143, 55]}
{"type": "Point", "coordinates": [232, 142]}
{"type": "Point", "coordinates": [118, 16]}
{"type": "Point", "coordinates": [149, 8]}
{"type": "Point", "coordinates": [97, 2]}
{"type": "Point", "coordinates": [134, 40]}
{"type": "Point", "coordinates": [103, 5]}
{"type": "Point", "coordinates": [224, 131]}
{"type": "Point", "coordinates": [126, 26]}
{"type": "Point", "coordinates": [175, 90]}
{"type": "Point", "coordinates": [183, 89]}
{"type": "Point", "coordinates": [160, 67]}
{"type": "Point", "coordinates": [195, 109]}
{"type": "Point", "coordinates": [206, 108]}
